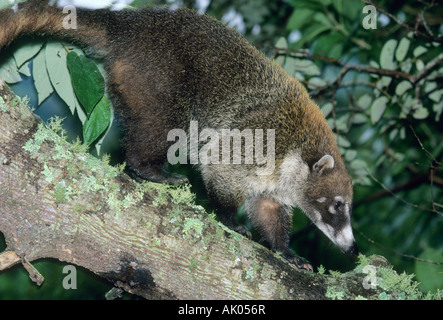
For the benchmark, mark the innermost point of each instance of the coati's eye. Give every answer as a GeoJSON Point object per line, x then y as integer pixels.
{"type": "Point", "coordinates": [338, 205]}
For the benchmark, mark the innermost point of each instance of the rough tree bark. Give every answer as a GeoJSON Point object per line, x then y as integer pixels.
{"type": "Point", "coordinates": [59, 202]}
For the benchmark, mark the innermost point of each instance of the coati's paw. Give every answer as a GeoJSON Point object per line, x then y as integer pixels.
{"type": "Point", "coordinates": [160, 176]}
{"type": "Point", "coordinates": [243, 231]}
{"type": "Point", "coordinates": [175, 179]}
{"type": "Point", "coordinates": [299, 262]}
{"type": "Point", "coordinates": [168, 178]}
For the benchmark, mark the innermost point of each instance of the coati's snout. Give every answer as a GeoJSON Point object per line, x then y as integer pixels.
{"type": "Point", "coordinates": [353, 250]}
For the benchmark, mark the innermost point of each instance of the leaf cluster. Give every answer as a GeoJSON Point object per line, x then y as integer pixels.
{"type": "Point", "coordinates": [381, 92]}
{"type": "Point", "coordinates": [65, 70]}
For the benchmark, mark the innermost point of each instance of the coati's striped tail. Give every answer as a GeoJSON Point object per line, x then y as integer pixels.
{"type": "Point", "coordinates": [36, 17]}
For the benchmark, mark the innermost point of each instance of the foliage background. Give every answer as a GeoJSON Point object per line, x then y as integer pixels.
{"type": "Point", "coordinates": [388, 127]}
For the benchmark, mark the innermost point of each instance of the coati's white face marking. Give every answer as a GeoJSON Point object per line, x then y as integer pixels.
{"type": "Point", "coordinates": [317, 215]}
{"type": "Point", "coordinates": [321, 200]}
{"type": "Point", "coordinates": [339, 198]}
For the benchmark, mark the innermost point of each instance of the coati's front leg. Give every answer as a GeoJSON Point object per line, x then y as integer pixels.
{"type": "Point", "coordinates": [146, 156]}
{"type": "Point", "coordinates": [227, 217]}
{"type": "Point", "coordinates": [274, 222]}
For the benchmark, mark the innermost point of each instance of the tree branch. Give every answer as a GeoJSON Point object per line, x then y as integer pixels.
{"type": "Point", "coordinates": [413, 79]}
{"type": "Point", "coordinates": [148, 239]}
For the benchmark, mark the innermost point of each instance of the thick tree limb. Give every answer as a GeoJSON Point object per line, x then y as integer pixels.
{"type": "Point", "coordinates": [147, 239]}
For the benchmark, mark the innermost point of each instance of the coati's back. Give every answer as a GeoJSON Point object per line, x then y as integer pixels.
{"type": "Point", "coordinates": [168, 67]}
{"type": "Point", "coordinates": [188, 62]}
{"type": "Point", "coordinates": [203, 65]}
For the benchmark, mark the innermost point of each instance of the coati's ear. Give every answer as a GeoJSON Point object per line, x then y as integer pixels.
{"type": "Point", "coordinates": [326, 162]}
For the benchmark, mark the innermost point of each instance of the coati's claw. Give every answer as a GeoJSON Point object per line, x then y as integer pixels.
{"type": "Point", "coordinates": [301, 264]}
{"type": "Point", "coordinates": [176, 179]}
{"type": "Point", "coordinates": [243, 231]}
{"type": "Point", "coordinates": [159, 176]}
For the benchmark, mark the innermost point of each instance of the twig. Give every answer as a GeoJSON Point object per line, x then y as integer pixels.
{"type": "Point", "coordinates": [405, 186]}
{"type": "Point", "coordinates": [33, 272]}
{"type": "Point", "coordinates": [395, 251]}
{"type": "Point", "coordinates": [435, 163]}
{"type": "Point", "coordinates": [404, 25]}
{"type": "Point", "coordinates": [431, 67]}
{"type": "Point", "coordinates": [413, 79]}
{"type": "Point", "coordinates": [434, 166]}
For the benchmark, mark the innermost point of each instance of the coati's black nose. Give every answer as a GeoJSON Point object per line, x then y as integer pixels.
{"type": "Point", "coordinates": [353, 250]}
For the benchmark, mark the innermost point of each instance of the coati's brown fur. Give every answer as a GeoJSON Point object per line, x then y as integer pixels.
{"type": "Point", "coordinates": [168, 67]}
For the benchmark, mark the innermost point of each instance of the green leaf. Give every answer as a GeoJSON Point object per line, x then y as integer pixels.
{"type": "Point", "coordinates": [311, 32]}
{"type": "Point", "coordinates": [24, 69]}
{"type": "Point", "coordinates": [282, 43]}
{"type": "Point", "coordinates": [387, 55]}
{"type": "Point", "coordinates": [364, 101]}
{"type": "Point", "coordinates": [327, 108]}
{"type": "Point", "coordinates": [402, 87]}
{"type": "Point", "coordinates": [59, 75]}
{"type": "Point", "coordinates": [383, 82]}
{"type": "Point", "coordinates": [26, 52]}
{"type": "Point", "coordinates": [330, 45]}
{"type": "Point", "coordinates": [438, 109]}
{"type": "Point", "coordinates": [342, 141]}
{"type": "Point", "coordinates": [419, 64]}
{"type": "Point", "coordinates": [307, 67]}
{"type": "Point", "coordinates": [430, 86]}
{"type": "Point", "coordinates": [338, 5]}
{"type": "Point", "coordinates": [406, 65]}
{"type": "Point", "coordinates": [350, 155]}
{"type": "Point", "coordinates": [299, 18]}
{"type": "Point", "coordinates": [9, 72]}
{"type": "Point", "coordinates": [358, 165]}
{"type": "Point", "coordinates": [290, 66]}
{"type": "Point", "coordinates": [41, 78]}
{"type": "Point", "coordinates": [98, 121]}
{"type": "Point", "coordinates": [316, 82]}
{"type": "Point", "coordinates": [341, 123]}
{"type": "Point", "coordinates": [421, 113]}
{"type": "Point", "coordinates": [321, 18]}
{"type": "Point", "coordinates": [359, 118]}
{"type": "Point", "coordinates": [419, 51]}
{"type": "Point", "coordinates": [393, 134]}
{"type": "Point", "coordinates": [88, 82]}
{"type": "Point", "coordinates": [374, 64]}
{"type": "Point", "coordinates": [378, 108]}
{"type": "Point", "coordinates": [402, 49]}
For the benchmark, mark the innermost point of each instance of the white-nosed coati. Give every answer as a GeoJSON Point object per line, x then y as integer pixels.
{"type": "Point", "coordinates": [167, 68]}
